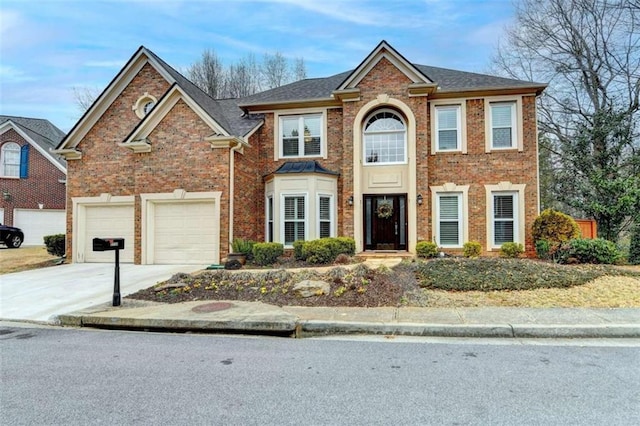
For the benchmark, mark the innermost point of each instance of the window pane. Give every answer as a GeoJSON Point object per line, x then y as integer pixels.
{"type": "Point", "coordinates": [312, 125]}
{"type": "Point", "coordinates": [503, 231]}
{"type": "Point", "coordinates": [447, 118]}
{"type": "Point", "coordinates": [449, 207]}
{"type": "Point", "coordinates": [501, 115]}
{"type": "Point", "coordinates": [449, 233]}
{"type": "Point", "coordinates": [290, 127]}
{"type": "Point", "coordinates": [311, 145]}
{"type": "Point", "coordinates": [299, 231]}
{"type": "Point", "coordinates": [290, 147]}
{"type": "Point", "coordinates": [447, 139]}
{"type": "Point", "coordinates": [325, 229]}
{"type": "Point", "coordinates": [502, 137]}
{"type": "Point", "coordinates": [289, 232]}
{"type": "Point", "coordinates": [324, 208]}
{"type": "Point", "coordinates": [503, 206]}
{"type": "Point", "coordinates": [300, 207]}
{"type": "Point", "coordinates": [289, 208]}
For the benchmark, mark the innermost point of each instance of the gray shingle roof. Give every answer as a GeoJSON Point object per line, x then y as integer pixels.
{"type": "Point", "coordinates": [310, 166]}
{"type": "Point", "coordinates": [225, 112]}
{"type": "Point", "coordinates": [40, 131]}
{"type": "Point", "coordinates": [321, 88]}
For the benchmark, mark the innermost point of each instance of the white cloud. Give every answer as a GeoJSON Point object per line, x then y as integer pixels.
{"type": "Point", "coordinates": [9, 74]}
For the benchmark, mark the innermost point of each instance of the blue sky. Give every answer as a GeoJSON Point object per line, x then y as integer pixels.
{"type": "Point", "coordinates": [48, 47]}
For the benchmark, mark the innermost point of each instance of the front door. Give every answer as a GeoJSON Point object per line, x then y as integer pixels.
{"type": "Point", "coordinates": [385, 222]}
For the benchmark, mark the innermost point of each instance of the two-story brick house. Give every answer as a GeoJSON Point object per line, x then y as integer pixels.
{"type": "Point", "coordinates": [32, 179]}
{"type": "Point", "coordinates": [389, 153]}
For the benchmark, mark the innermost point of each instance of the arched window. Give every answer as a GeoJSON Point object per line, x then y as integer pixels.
{"type": "Point", "coordinates": [10, 160]}
{"type": "Point", "coordinates": [385, 138]}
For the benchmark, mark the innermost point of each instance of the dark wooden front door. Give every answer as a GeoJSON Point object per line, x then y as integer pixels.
{"type": "Point", "coordinates": [385, 222]}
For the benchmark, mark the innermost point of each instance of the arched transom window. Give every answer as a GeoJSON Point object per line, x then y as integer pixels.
{"type": "Point", "coordinates": [385, 138]}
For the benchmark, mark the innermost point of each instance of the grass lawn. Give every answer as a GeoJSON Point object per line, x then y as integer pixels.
{"type": "Point", "coordinates": [23, 258]}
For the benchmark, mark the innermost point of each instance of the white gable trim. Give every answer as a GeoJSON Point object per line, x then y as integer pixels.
{"type": "Point", "coordinates": [151, 121]}
{"type": "Point", "coordinates": [384, 50]}
{"type": "Point", "coordinates": [106, 98]}
{"type": "Point", "coordinates": [7, 125]}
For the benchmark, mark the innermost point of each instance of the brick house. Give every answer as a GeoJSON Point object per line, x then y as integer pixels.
{"type": "Point", "coordinates": [32, 179]}
{"type": "Point", "coordinates": [390, 153]}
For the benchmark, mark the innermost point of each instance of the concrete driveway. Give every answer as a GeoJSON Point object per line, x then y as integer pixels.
{"type": "Point", "coordinates": [43, 294]}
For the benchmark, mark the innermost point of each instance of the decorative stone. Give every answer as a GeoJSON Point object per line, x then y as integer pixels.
{"type": "Point", "coordinates": [309, 288]}
{"type": "Point", "coordinates": [170, 286]}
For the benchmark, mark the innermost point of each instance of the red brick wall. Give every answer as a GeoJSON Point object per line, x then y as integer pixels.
{"type": "Point", "coordinates": [41, 186]}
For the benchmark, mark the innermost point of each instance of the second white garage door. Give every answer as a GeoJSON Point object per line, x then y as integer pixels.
{"type": "Point", "coordinates": [108, 221]}
{"type": "Point", "coordinates": [185, 233]}
{"type": "Point", "coordinates": [37, 223]}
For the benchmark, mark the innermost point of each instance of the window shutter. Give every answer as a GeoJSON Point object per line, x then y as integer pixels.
{"type": "Point", "coordinates": [24, 162]}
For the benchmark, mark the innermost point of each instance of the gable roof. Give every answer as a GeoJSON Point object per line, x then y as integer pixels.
{"type": "Point", "coordinates": [41, 133]}
{"type": "Point", "coordinates": [225, 114]}
{"type": "Point", "coordinates": [446, 81]}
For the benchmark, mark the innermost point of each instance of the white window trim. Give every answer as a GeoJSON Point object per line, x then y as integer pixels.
{"type": "Point", "coordinates": [364, 140]}
{"type": "Point", "coordinates": [450, 188]}
{"type": "Point", "coordinates": [277, 133]}
{"type": "Point", "coordinates": [505, 188]}
{"type": "Point", "coordinates": [517, 129]}
{"type": "Point", "coordinates": [332, 215]}
{"type": "Point", "coordinates": [462, 124]}
{"type": "Point", "coordinates": [142, 101]}
{"type": "Point", "coordinates": [281, 218]}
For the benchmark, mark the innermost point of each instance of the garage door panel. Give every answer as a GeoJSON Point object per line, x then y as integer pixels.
{"type": "Point", "coordinates": [109, 221]}
{"type": "Point", "coordinates": [185, 232]}
{"type": "Point", "coordinates": [37, 223]}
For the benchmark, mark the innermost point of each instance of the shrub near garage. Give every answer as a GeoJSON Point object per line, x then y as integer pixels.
{"type": "Point", "coordinates": [55, 244]}
{"type": "Point", "coordinates": [267, 253]}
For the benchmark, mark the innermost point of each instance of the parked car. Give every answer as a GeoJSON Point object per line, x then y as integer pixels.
{"type": "Point", "coordinates": [11, 236]}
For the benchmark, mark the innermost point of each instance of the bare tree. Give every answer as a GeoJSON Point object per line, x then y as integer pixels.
{"type": "Point", "coordinates": [84, 97]}
{"type": "Point", "coordinates": [299, 69]}
{"type": "Point", "coordinates": [208, 74]}
{"type": "Point", "coordinates": [243, 78]}
{"type": "Point", "coordinates": [275, 70]}
{"type": "Point", "coordinates": [589, 52]}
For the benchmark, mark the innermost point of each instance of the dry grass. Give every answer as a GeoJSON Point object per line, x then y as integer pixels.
{"type": "Point", "coordinates": [603, 292]}
{"type": "Point", "coordinates": [15, 260]}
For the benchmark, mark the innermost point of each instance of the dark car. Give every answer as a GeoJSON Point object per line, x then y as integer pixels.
{"type": "Point", "coordinates": [11, 236]}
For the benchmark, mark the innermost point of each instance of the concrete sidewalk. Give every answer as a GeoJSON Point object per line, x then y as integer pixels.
{"type": "Point", "coordinates": [259, 318]}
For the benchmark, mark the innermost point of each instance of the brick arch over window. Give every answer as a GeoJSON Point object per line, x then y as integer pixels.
{"type": "Point", "coordinates": [385, 101]}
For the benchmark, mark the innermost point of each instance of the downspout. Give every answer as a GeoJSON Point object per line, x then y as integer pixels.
{"type": "Point", "coordinates": [233, 150]}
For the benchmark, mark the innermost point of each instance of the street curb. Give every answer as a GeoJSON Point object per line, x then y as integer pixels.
{"type": "Point", "coordinates": [577, 331]}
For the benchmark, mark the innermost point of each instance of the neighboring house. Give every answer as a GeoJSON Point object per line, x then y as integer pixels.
{"type": "Point", "coordinates": [32, 179]}
{"type": "Point", "coordinates": [390, 153]}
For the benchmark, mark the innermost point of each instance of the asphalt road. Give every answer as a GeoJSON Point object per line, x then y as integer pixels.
{"type": "Point", "coordinates": [59, 376]}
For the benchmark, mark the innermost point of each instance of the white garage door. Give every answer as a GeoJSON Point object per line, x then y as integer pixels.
{"type": "Point", "coordinates": [108, 221]}
{"type": "Point", "coordinates": [37, 223]}
{"type": "Point", "coordinates": [184, 233]}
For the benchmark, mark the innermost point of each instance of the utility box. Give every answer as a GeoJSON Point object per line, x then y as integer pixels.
{"type": "Point", "coordinates": [106, 244]}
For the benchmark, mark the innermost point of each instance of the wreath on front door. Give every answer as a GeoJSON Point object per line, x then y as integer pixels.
{"type": "Point", "coordinates": [385, 209]}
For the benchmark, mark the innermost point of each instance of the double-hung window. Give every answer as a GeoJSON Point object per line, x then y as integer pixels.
{"type": "Point", "coordinates": [270, 219]}
{"type": "Point", "coordinates": [324, 217]}
{"type": "Point", "coordinates": [294, 219]}
{"type": "Point", "coordinates": [448, 128]}
{"type": "Point", "coordinates": [449, 219]}
{"type": "Point", "coordinates": [301, 135]}
{"type": "Point", "coordinates": [503, 125]}
{"type": "Point", "coordinates": [505, 214]}
{"type": "Point", "coordinates": [10, 158]}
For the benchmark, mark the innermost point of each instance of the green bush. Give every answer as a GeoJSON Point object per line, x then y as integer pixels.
{"type": "Point", "coordinates": [426, 249]}
{"type": "Point", "coordinates": [346, 245]}
{"type": "Point", "coordinates": [298, 250]}
{"type": "Point", "coordinates": [555, 227]}
{"type": "Point", "coordinates": [55, 244]}
{"type": "Point", "coordinates": [634, 248]}
{"type": "Point", "coordinates": [240, 245]}
{"type": "Point", "coordinates": [267, 253]}
{"type": "Point", "coordinates": [543, 249]}
{"type": "Point", "coordinates": [472, 249]}
{"type": "Point", "coordinates": [319, 251]}
{"type": "Point", "coordinates": [588, 251]}
{"type": "Point", "coordinates": [511, 250]}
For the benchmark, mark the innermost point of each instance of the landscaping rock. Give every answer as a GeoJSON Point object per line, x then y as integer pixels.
{"type": "Point", "coordinates": [308, 288]}
{"type": "Point", "coordinates": [169, 286]}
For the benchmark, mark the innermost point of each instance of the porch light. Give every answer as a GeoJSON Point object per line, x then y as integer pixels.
{"type": "Point", "coordinates": [350, 200]}
{"type": "Point", "coordinates": [419, 199]}
{"type": "Point", "coordinates": [6, 195]}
